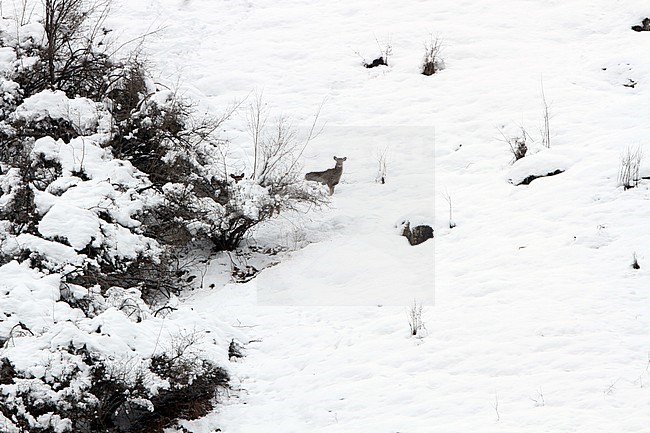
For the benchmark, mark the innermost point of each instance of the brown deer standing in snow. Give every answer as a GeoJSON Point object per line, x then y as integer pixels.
{"type": "Point", "coordinates": [329, 177]}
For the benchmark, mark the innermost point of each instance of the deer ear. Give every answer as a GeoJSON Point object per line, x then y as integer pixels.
{"type": "Point", "coordinates": [345, 158]}
{"type": "Point", "coordinates": [232, 175]}
{"type": "Point", "coordinates": [335, 158]}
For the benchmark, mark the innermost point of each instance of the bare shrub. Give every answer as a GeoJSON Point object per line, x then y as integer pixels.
{"type": "Point", "coordinates": [128, 88]}
{"type": "Point", "coordinates": [517, 143]}
{"type": "Point", "coordinates": [385, 50]}
{"type": "Point", "coordinates": [447, 198]}
{"type": "Point", "coordinates": [432, 61]}
{"type": "Point", "coordinates": [416, 325]}
{"type": "Point", "coordinates": [276, 147]}
{"type": "Point", "coordinates": [73, 57]}
{"type": "Point", "coordinates": [382, 168]}
{"type": "Point", "coordinates": [629, 170]}
{"type": "Point", "coordinates": [546, 127]}
{"type": "Point", "coordinates": [235, 350]}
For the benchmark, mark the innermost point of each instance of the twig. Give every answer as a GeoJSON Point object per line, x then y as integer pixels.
{"type": "Point", "coordinates": [546, 130]}
{"type": "Point", "coordinates": [447, 198]}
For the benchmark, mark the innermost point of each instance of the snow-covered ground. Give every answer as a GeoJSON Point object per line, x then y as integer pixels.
{"type": "Point", "coordinates": [535, 319]}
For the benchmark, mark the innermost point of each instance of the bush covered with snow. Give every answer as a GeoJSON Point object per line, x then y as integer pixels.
{"type": "Point", "coordinates": [106, 181]}
{"type": "Point", "coordinates": [64, 368]}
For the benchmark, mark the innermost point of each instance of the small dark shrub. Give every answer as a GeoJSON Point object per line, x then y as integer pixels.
{"type": "Point", "coordinates": [432, 61]}
{"type": "Point", "coordinates": [193, 390]}
{"type": "Point", "coordinates": [234, 350]}
{"type": "Point", "coordinates": [519, 148]}
{"type": "Point", "coordinates": [129, 90]}
{"type": "Point", "coordinates": [22, 173]}
{"type": "Point", "coordinates": [7, 372]}
{"type": "Point", "coordinates": [517, 143]}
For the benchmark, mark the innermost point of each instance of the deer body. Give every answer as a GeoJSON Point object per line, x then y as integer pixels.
{"type": "Point", "coordinates": [329, 177]}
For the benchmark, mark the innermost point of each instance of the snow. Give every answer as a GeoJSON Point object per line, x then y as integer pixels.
{"type": "Point", "coordinates": [56, 253]}
{"type": "Point", "coordinates": [80, 112]}
{"type": "Point", "coordinates": [538, 165]}
{"type": "Point", "coordinates": [535, 320]}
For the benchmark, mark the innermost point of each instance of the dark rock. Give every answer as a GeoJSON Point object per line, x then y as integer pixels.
{"type": "Point", "coordinates": [644, 27]}
{"type": "Point", "coordinates": [532, 177]}
{"type": "Point", "coordinates": [377, 62]}
{"type": "Point", "coordinates": [417, 234]}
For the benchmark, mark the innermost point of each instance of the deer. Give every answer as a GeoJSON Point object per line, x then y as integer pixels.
{"type": "Point", "coordinates": [329, 177]}
{"type": "Point", "coordinates": [237, 178]}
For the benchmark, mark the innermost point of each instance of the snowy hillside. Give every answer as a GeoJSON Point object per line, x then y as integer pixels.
{"type": "Point", "coordinates": [535, 319]}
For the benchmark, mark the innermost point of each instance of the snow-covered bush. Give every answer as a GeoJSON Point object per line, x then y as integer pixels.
{"type": "Point", "coordinates": [140, 174]}
{"type": "Point", "coordinates": [63, 371]}
{"type": "Point", "coordinates": [182, 156]}
{"type": "Point", "coordinates": [106, 180]}
{"type": "Point", "coordinates": [79, 260]}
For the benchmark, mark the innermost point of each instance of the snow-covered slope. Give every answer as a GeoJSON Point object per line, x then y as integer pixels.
{"type": "Point", "coordinates": [535, 320]}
